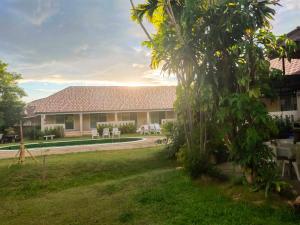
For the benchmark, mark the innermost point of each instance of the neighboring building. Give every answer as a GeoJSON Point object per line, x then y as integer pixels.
{"type": "Point", "coordinates": [288, 102]}
{"type": "Point", "coordinates": [79, 109]}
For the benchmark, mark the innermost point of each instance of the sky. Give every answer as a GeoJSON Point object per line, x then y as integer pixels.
{"type": "Point", "coordinates": [58, 43]}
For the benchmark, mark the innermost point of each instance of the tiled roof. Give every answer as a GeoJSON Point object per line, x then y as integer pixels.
{"type": "Point", "coordinates": [291, 68]}
{"type": "Point", "coordinates": [294, 34]}
{"type": "Point", "coordinates": [105, 98]}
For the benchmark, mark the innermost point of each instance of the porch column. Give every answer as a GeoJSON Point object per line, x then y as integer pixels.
{"type": "Point", "coordinates": [81, 124]}
{"type": "Point", "coordinates": [43, 118]}
{"type": "Point", "coordinates": [148, 117]}
{"type": "Point", "coordinates": [116, 117]}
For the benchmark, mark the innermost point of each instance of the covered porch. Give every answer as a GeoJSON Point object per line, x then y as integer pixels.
{"type": "Point", "coordinates": [79, 124]}
{"type": "Point", "coordinates": [288, 101]}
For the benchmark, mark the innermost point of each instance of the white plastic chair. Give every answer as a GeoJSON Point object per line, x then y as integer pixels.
{"type": "Point", "coordinates": [116, 132]}
{"type": "Point", "coordinates": [106, 133]}
{"type": "Point", "coordinates": [286, 153]}
{"type": "Point", "coordinates": [94, 133]}
{"type": "Point", "coordinates": [151, 128]}
{"type": "Point", "coordinates": [157, 128]}
{"type": "Point", "coordinates": [146, 129]}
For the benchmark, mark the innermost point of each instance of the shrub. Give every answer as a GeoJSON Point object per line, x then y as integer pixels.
{"type": "Point", "coordinates": [168, 129]}
{"type": "Point", "coordinates": [32, 132]}
{"type": "Point", "coordinates": [58, 131]}
{"type": "Point", "coordinates": [245, 131]}
{"type": "Point", "coordinates": [194, 163]}
{"type": "Point", "coordinates": [175, 137]}
{"type": "Point", "coordinates": [268, 178]}
{"type": "Point", "coordinates": [284, 126]}
{"type": "Point", "coordinates": [128, 128]}
{"type": "Point", "coordinates": [125, 128]}
{"type": "Point", "coordinates": [9, 131]}
{"type": "Point", "coordinates": [101, 127]}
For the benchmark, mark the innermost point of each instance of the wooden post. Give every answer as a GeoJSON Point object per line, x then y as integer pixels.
{"type": "Point", "coordinates": [22, 147]}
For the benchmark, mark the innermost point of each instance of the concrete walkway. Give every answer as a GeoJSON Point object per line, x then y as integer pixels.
{"type": "Point", "coordinates": [144, 143]}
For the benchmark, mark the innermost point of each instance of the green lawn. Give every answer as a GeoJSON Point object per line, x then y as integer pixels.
{"type": "Point", "coordinates": [125, 187]}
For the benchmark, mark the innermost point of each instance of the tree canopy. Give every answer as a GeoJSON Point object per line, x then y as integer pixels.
{"type": "Point", "coordinates": [11, 105]}
{"type": "Point", "coordinates": [219, 51]}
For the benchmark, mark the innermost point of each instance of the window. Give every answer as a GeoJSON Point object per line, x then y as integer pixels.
{"type": "Point", "coordinates": [69, 122]}
{"type": "Point", "coordinates": [97, 117]}
{"type": "Point", "coordinates": [156, 117]}
{"type": "Point", "coordinates": [93, 120]}
{"type": "Point", "coordinates": [60, 119]}
{"type": "Point", "coordinates": [133, 116]}
{"type": "Point", "coordinates": [288, 102]}
{"type": "Point", "coordinates": [124, 116]}
{"type": "Point", "coordinates": [102, 117]}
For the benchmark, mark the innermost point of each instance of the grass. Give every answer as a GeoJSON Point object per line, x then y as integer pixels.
{"type": "Point", "coordinates": [125, 187]}
{"type": "Point", "coordinates": [71, 143]}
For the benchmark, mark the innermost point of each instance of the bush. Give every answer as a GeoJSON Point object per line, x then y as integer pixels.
{"type": "Point", "coordinates": [128, 129]}
{"type": "Point", "coordinates": [58, 131]}
{"type": "Point", "coordinates": [268, 178]}
{"type": "Point", "coordinates": [125, 128]}
{"type": "Point", "coordinates": [194, 163]}
{"type": "Point", "coordinates": [247, 125]}
{"type": "Point", "coordinates": [175, 137]}
{"type": "Point", "coordinates": [101, 127]}
{"type": "Point", "coordinates": [284, 126]}
{"type": "Point", "coordinates": [10, 131]}
{"type": "Point", "coordinates": [32, 132]}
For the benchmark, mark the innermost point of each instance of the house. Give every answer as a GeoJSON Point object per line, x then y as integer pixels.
{"type": "Point", "coordinates": [288, 101]}
{"type": "Point", "coordinates": [79, 109]}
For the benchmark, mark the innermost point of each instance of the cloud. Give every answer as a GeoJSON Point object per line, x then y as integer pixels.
{"type": "Point", "coordinates": [286, 18]}
{"type": "Point", "coordinates": [46, 90]}
{"type": "Point", "coordinates": [157, 77]}
{"type": "Point", "coordinates": [290, 4]}
{"type": "Point", "coordinates": [139, 66]}
{"type": "Point", "coordinates": [57, 43]}
{"type": "Point", "coordinates": [36, 11]}
{"type": "Point", "coordinates": [83, 82]}
{"type": "Point", "coordinates": [81, 49]}
{"type": "Point", "coordinates": [56, 76]}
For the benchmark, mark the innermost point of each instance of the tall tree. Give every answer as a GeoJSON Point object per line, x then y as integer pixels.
{"type": "Point", "coordinates": [218, 49]}
{"type": "Point", "coordinates": [11, 105]}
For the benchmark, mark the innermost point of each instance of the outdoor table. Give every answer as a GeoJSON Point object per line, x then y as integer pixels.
{"type": "Point", "coordinates": [49, 136]}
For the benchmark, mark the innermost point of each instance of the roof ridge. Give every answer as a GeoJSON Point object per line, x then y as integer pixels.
{"type": "Point", "coordinates": [111, 86]}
